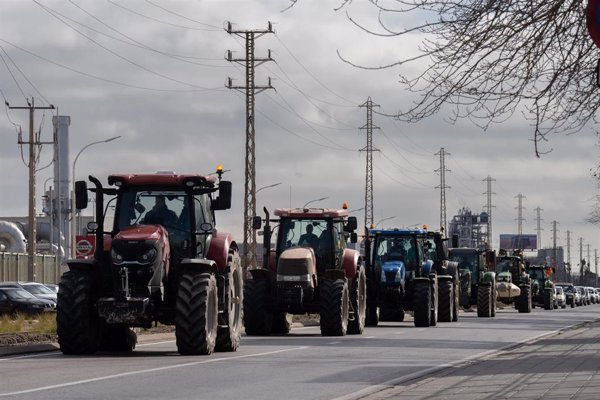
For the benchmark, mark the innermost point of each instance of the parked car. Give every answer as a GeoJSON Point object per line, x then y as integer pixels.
{"type": "Point", "coordinates": [36, 289]}
{"type": "Point", "coordinates": [583, 301]}
{"type": "Point", "coordinates": [52, 286]}
{"type": "Point", "coordinates": [592, 294]}
{"type": "Point", "coordinates": [570, 293]}
{"type": "Point", "coordinates": [561, 298]}
{"type": "Point", "coordinates": [15, 301]}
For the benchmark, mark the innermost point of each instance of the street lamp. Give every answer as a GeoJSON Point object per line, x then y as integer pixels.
{"type": "Point", "coordinates": [385, 219]}
{"type": "Point", "coordinates": [268, 186]}
{"type": "Point", "coordinates": [355, 210]}
{"type": "Point", "coordinates": [73, 210]}
{"type": "Point", "coordinates": [314, 201]}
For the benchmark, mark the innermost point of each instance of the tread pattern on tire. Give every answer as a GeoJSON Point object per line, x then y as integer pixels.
{"type": "Point", "coordinates": [484, 301]}
{"type": "Point", "coordinates": [445, 301]}
{"type": "Point", "coordinates": [228, 336]}
{"type": "Point", "coordinates": [258, 319]}
{"type": "Point", "coordinates": [334, 304]}
{"type": "Point", "coordinates": [358, 297]}
{"type": "Point", "coordinates": [77, 323]}
{"type": "Point", "coordinates": [524, 300]}
{"type": "Point", "coordinates": [196, 314]}
{"type": "Point", "coordinates": [421, 306]}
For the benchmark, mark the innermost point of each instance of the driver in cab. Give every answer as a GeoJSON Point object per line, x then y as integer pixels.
{"type": "Point", "coordinates": [160, 213]}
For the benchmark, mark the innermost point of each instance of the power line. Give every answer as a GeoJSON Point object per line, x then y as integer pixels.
{"type": "Point", "coordinates": [183, 16]}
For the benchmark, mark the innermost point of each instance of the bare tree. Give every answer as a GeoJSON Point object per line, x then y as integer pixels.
{"type": "Point", "coordinates": [491, 58]}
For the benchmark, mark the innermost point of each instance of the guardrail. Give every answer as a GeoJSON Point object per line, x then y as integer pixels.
{"type": "Point", "coordinates": [13, 267]}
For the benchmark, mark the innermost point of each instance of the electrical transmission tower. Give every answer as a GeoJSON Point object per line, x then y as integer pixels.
{"type": "Point", "coordinates": [488, 208]}
{"type": "Point", "coordinates": [520, 218]}
{"type": "Point", "coordinates": [581, 261]}
{"type": "Point", "coordinates": [539, 229]}
{"type": "Point", "coordinates": [369, 219]}
{"type": "Point", "coordinates": [35, 146]}
{"type": "Point", "coordinates": [442, 170]}
{"type": "Point", "coordinates": [554, 250]}
{"type": "Point", "coordinates": [250, 89]}
{"type": "Point", "coordinates": [569, 251]}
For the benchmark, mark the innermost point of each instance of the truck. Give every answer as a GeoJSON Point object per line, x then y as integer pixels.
{"type": "Point", "coordinates": [513, 283]}
{"type": "Point", "coordinates": [162, 261]}
{"type": "Point", "coordinates": [409, 270]}
{"type": "Point", "coordinates": [542, 287]}
{"type": "Point", "coordinates": [309, 271]}
{"type": "Point", "coordinates": [477, 269]}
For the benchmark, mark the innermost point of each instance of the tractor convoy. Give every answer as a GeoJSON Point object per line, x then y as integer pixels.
{"type": "Point", "coordinates": [159, 258]}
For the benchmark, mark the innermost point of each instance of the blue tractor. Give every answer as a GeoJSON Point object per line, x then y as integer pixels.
{"type": "Point", "coordinates": [409, 270]}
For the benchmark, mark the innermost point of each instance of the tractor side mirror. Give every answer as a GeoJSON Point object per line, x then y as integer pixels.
{"type": "Point", "coordinates": [351, 225]}
{"type": "Point", "coordinates": [256, 223]}
{"type": "Point", "coordinates": [223, 202]}
{"type": "Point", "coordinates": [81, 195]}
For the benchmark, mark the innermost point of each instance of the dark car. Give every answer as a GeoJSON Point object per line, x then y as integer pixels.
{"type": "Point", "coordinates": [37, 289]}
{"type": "Point", "coordinates": [570, 291]}
{"type": "Point", "coordinates": [14, 301]}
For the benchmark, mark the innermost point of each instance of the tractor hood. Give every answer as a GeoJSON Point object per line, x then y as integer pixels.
{"type": "Point", "coordinates": [297, 264]}
{"type": "Point", "coordinates": [393, 271]}
{"type": "Point", "coordinates": [141, 232]}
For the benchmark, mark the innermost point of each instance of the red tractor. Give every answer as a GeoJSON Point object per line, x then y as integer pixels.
{"type": "Point", "coordinates": [310, 270]}
{"type": "Point", "coordinates": [162, 261]}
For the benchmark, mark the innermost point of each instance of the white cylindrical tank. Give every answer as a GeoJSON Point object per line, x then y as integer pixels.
{"type": "Point", "coordinates": [12, 238]}
{"type": "Point", "coordinates": [507, 290]}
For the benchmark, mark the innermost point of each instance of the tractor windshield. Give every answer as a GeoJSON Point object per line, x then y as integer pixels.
{"type": "Point", "coordinates": [466, 260]}
{"type": "Point", "coordinates": [304, 232]}
{"type": "Point", "coordinates": [537, 273]}
{"type": "Point", "coordinates": [504, 266]}
{"type": "Point", "coordinates": [396, 248]}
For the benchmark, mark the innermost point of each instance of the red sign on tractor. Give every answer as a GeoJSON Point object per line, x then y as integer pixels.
{"type": "Point", "coordinates": [85, 246]}
{"type": "Point", "coordinates": [593, 20]}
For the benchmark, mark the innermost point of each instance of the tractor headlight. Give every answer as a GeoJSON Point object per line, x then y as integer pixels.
{"type": "Point", "coordinates": [383, 278]}
{"type": "Point", "coordinates": [116, 257]}
{"type": "Point", "coordinates": [398, 276]}
{"type": "Point", "coordinates": [147, 257]}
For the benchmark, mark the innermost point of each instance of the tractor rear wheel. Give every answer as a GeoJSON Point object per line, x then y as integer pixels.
{"type": "Point", "coordinates": [445, 300]}
{"type": "Point", "coordinates": [494, 301]}
{"type": "Point", "coordinates": [282, 323]}
{"type": "Point", "coordinates": [334, 307]}
{"type": "Point", "coordinates": [524, 299]}
{"type": "Point", "coordinates": [456, 305]}
{"type": "Point", "coordinates": [230, 330]}
{"type": "Point", "coordinates": [258, 320]}
{"type": "Point", "coordinates": [358, 297]}
{"type": "Point", "coordinates": [197, 313]}
{"type": "Point", "coordinates": [422, 303]}
{"type": "Point", "coordinates": [484, 301]}
{"type": "Point", "coordinates": [77, 323]}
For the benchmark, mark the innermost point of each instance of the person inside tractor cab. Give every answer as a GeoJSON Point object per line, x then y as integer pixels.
{"type": "Point", "coordinates": [397, 251]}
{"type": "Point", "coordinates": [411, 254]}
{"type": "Point", "coordinates": [160, 213]}
{"type": "Point", "coordinates": [309, 238]}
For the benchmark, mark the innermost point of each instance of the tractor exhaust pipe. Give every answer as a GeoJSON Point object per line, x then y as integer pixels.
{"type": "Point", "coordinates": [100, 218]}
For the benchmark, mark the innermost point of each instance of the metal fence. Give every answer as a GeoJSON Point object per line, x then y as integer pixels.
{"type": "Point", "coordinates": [13, 267]}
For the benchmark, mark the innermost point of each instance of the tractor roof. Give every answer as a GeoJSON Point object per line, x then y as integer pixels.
{"type": "Point", "coordinates": [162, 179]}
{"type": "Point", "coordinates": [314, 213]}
{"type": "Point", "coordinates": [397, 232]}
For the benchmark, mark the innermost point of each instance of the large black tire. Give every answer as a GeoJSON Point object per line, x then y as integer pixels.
{"type": "Point", "coordinates": [445, 300]}
{"type": "Point", "coordinates": [494, 299]}
{"type": "Point", "coordinates": [334, 307]}
{"type": "Point", "coordinates": [524, 300]}
{"type": "Point", "coordinates": [358, 299]}
{"type": "Point", "coordinates": [282, 323]}
{"type": "Point", "coordinates": [372, 316]}
{"type": "Point", "coordinates": [117, 338]}
{"type": "Point", "coordinates": [197, 313]}
{"type": "Point", "coordinates": [484, 301]}
{"type": "Point", "coordinates": [258, 320]}
{"type": "Point", "coordinates": [456, 304]}
{"type": "Point", "coordinates": [230, 329]}
{"type": "Point", "coordinates": [434, 310]}
{"type": "Point", "coordinates": [548, 300]}
{"type": "Point", "coordinates": [422, 304]}
{"type": "Point", "coordinates": [77, 323]}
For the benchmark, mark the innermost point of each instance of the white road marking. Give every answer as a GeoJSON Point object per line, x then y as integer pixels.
{"type": "Point", "coordinates": [145, 371]}
{"type": "Point", "coordinates": [334, 342]}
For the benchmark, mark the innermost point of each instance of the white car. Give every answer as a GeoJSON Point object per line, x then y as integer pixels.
{"type": "Point", "coordinates": [561, 298]}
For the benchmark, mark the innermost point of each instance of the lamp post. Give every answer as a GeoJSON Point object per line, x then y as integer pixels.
{"type": "Point", "coordinates": [385, 219]}
{"type": "Point", "coordinates": [73, 210]}
{"type": "Point", "coordinates": [314, 201]}
{"type": "Point", "coordinates": [268, 186]}
{"type": "Point", "coordinates": [355, 210]}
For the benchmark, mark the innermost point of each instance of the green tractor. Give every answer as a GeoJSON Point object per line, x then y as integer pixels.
{"type": "Point", "coordinates": [513, 282]}
{"type": "Point", "coordinates": [542, 287]}
{"type": "Point", "coordinates": [477, 270]}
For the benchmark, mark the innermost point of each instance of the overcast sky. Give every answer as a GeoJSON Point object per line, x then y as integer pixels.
{"type": "Point", "coordinates": [154, 72]}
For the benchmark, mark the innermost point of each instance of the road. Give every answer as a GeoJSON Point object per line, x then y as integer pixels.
{"type": "Point", "coordinates": [301, 365]}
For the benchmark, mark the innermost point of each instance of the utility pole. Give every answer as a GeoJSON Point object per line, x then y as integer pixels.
{"type": "Point", "coordinates": [442, 170]}
{"type": "Point", "coordinates": [554, 251]}
{"type": "Point", "coordinates": [581, 261]}
{"type": "Point", "coordinates": [488, 208]}
{"type": "Point", "coordinates": [539, 228]}
{"type": "Point", "coordinates": [369, 219]}
{"type": "Point", "coordinates": [34, 149]}
{"type": "Point", "coordinates": [569, 250]}
{"type": "Point", "coordinates": [520, 218]}
{"type": "Point", "coordinates": [596, 265]}
{"type": "Point", "coordinates": [589, 260]}
{"type": "Point", "coordinates": [250, 89]}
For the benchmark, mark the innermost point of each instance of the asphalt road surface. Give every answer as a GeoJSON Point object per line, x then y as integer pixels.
{"type": "Point", "coordinates": [301, 365]}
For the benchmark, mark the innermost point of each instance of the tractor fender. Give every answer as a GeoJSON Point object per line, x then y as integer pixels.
{"type": "Point", "coordinates": [198, 265]}
{"type": "Point", "coordinates": [350, 263]}
{"type": "Point", "coordinates": [427, 267]}
{"type": "Point", "coordinates": [452, 270]}
{"type": "Point", "coordinates": [488, 278]}
{"type": "Point", "coordinates": [81, 265]}
{"type": "Point", "coordinates": [218, 250]}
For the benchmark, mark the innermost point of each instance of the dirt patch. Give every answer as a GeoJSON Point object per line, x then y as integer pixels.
{"type": "Point", "coordinates": [14, 339]}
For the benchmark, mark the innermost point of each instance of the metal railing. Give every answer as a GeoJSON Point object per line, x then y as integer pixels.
{"type": "Point", "coordinates": [13, 267]}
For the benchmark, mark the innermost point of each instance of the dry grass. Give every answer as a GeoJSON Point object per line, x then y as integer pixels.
{"type": "Point", "coordinates": [44, 323]}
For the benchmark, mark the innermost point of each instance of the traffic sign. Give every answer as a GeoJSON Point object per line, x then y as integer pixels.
{"type": "Point", "coordinates": [593, 20]}
{"type": "Point", "coordinates": [85, 245]}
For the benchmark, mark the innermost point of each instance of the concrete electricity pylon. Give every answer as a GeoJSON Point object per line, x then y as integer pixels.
{"type": "Point", "coordinates": [520, 218]}
{"type": "Point", "coordinates": [538, 228]}
{"type": "Point", "coordinates": [250, 89]}
{"type": "Point", "coordinates": [442, 186]}
{"type": "Point", "coordinates": [488, 208]}
{"type": "Point", "coordinates": [369, 209]}
{"type": "Point", "coordinates": [34, 152]}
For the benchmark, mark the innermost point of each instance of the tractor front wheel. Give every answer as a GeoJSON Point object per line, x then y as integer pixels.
{"type": "Point", "coordinates": [445, 300]}
{"type": "Point", "coordinates": [258, 320]}
{"type": "Point", "coordinates": [334, 307]}
{"type": "Point", "coordinates": [422, 303]}
{"type": "Point", "coordinates": [484, 301]}
{"type": "Point", "coordinates": [230, 328]}
{"type": "Point", "coordinates": [358, 297]}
